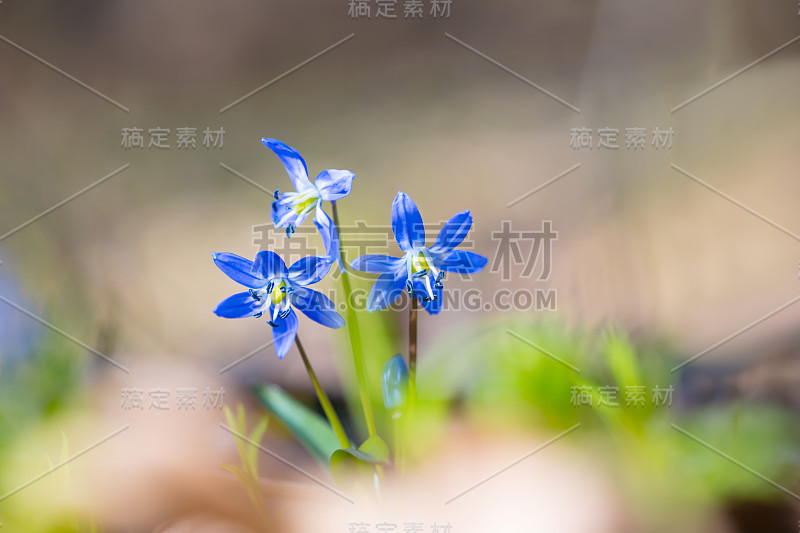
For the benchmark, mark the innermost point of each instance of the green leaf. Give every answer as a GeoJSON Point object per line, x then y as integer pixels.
{"type": "Point", "coordinates": [240, 474]}
{"type": "Point", "coordinates": [237, 424]}
{"type": "Point", "coordinates": [355, 467]}
{"type": "Point", "coordinates": [308, 427]}
{"type": "Point", "coordinates": [64, 459]}
{"type": "Point", "coordinates": [248, 481]}
{"type": "Point", "coordinates": [622, 360]}
{"type": "Point", "coordinates": [376, 449]}
{"type": "Point", "coordinates": [256, 436]}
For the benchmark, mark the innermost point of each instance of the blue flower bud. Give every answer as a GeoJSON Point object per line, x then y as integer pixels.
{"type": "Point", "coordinates": [394, 383]}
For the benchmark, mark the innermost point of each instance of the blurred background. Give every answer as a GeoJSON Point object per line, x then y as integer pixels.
{"type": "Point", "coordinates": [664, 254]}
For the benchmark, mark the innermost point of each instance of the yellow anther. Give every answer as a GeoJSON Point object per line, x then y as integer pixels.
{"type": "Point", "coordinates": [419, 263]}
{"type": "Point", "coordinates": [304, 205]}
{"type": "Point", "coordinates": [277, 295]}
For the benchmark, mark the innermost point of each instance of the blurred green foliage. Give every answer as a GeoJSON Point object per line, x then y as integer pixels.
{"type": "Point", "coordinates": [40, 380]}
{"type": "Point", "coordinates": [248, 451]}
{"type": "Point", "coordinates": [652, 450]}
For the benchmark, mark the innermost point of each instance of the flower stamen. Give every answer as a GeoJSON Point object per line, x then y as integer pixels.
{"type": "Point", "coordinates": [291, 208]}
{"type": "Point", "coordinates": [410, 288]}
{"type": "Point", "coordinates": [420, 267]}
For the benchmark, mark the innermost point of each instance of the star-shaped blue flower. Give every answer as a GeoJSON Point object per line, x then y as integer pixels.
{"type": "Point", "coordinates": [290, 209]}
{"type": "Point", "coordinates": [274, 290]}
{"type": "Point", "coordinates": [421, 270]}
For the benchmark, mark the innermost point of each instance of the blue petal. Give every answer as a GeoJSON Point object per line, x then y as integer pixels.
{"type": "Point", "coordinates": [431, 306]}
{"type": "Point", "coordinates": [239, 269]}
{"type": "Point", "coordinates": [277, 212]}
{"type": "Point", "coordinates": [453, 232]}
{"type": "Point", "coordinates": [317, 307]}
{"type": "Point", "coordinates": [284, 334]}
{"type": "Point", "coordinates": [290, 218]}
{"type": "Point", "coordinates": [237, 306]}
{"type": "Point", "coordinates": [407, 223]}
{"type": "Point", "coordinates": [334, 184]}
{"type": "Point", "coordinates": [330, 237]}
{"type": "Point", "coordinates": [377, 264]}
{"type": "Point", "coordinates": [294, 164]}
{"type": "Point", "coordinates": [270, 265]}
{"type": "Point", "coordinates": [460, 262]}
{"type": "Point", "coordinates": [309, 270]}
{"type": "Point", "coordinates": [386, 290]}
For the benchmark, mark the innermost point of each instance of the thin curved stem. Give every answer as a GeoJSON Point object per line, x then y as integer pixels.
{"type": "Point", "coordinates": [412, 352]}
{"type": "Point", "coordinates": [399, 441]}
{"type": "Point", "coordinates": [336, 424]}
{"type": "Point", "coordinates": [355, 336]}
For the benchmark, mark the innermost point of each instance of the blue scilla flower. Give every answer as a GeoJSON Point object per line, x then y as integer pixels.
{"type": "Point", "coordinates": [421, 270]}
{"type": "Point", "coordinates": [274, 290]}
{"type": "Point", "coordinates": [290, 209]}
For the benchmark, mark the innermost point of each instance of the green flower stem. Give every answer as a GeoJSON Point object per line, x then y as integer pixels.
{"type": "Point", "coordinates": [323, 398]}
{"type": "Point", "coordinates": [399, 439]}
{"type": "Point", "coordinates": [355, 336]}
{"type": "Point", "coordinates": [412, 352]}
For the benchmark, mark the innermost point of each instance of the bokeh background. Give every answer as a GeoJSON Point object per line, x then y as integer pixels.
{"type": "Point", "coordinates": [670, 266]}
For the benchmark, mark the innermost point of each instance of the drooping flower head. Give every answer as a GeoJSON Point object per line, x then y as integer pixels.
{"type": "Point", "coordinates": [421, 269]}
{"type": "Point", "coordinates": [274, 290]}
{"type": "Point", "coordinates": [290, 209]}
